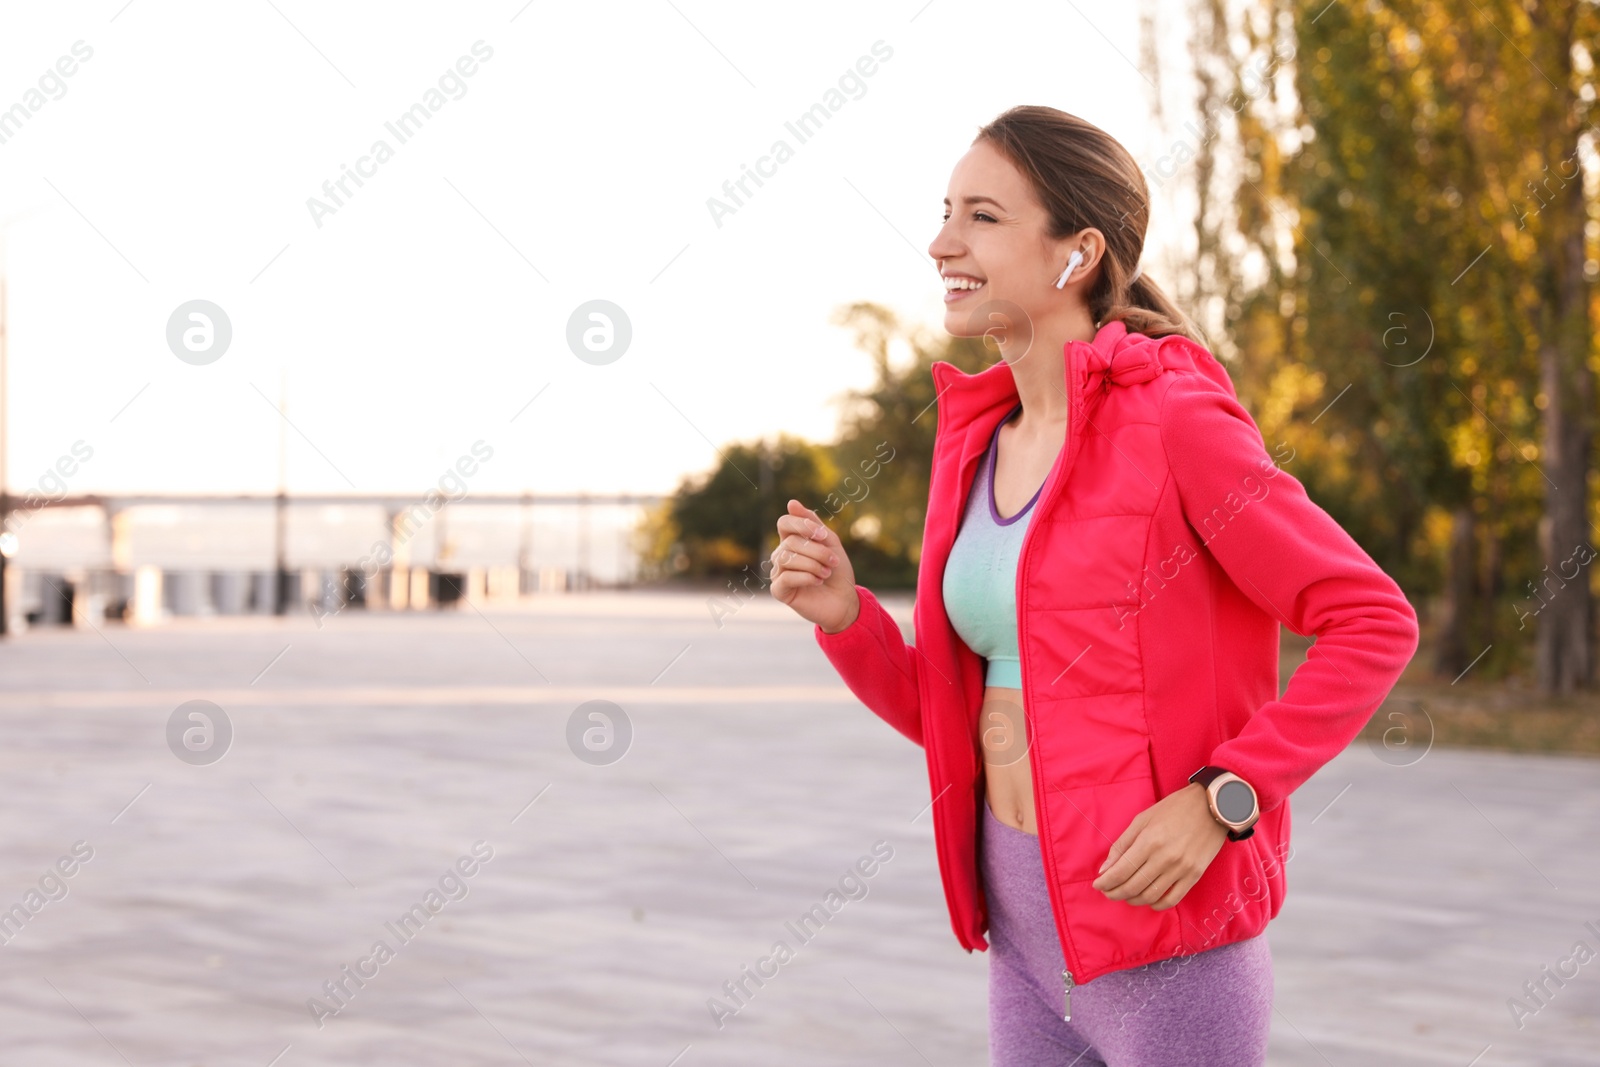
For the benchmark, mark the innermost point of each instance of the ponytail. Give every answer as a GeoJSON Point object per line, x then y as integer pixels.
{"type": "Point", "coordinates": [1147, 310]}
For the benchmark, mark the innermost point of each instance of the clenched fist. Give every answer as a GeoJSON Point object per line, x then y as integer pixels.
{"type": "Point", "coordinates": [811, 573]}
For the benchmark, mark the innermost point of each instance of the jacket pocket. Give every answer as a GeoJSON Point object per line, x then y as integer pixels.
{"type": "Point", "coordinates": [1083, 822]}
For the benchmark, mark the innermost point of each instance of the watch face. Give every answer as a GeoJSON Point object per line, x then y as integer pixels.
{"type": "Point", "coordinates": [1235, 801]}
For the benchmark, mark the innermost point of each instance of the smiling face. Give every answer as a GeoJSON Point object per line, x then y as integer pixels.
{"type": "Point", "coordinates": [995, 245]}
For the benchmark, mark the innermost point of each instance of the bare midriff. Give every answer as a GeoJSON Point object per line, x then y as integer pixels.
{"type": "Point", "coordinates": [1003, 743]}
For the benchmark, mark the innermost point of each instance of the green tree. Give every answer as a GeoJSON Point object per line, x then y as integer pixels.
{"type": "Point", "coordinates": [1424, 321]}
{"type": "Point", "coordinates": [896, 414]}
{"type": "Point", "coordinates": [871, 485]}
{"type": "Point", "coordinates": [722, 523]}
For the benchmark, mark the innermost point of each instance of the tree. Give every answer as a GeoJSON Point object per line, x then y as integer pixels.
{"type": "Point", "coordinates": [871, 485]}
{"type": "Point", "coordinates": [1434, 300]}
{"type": "Point", "coordinates": [1556, 33]}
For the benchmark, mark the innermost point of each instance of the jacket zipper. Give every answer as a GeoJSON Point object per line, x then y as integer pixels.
{"type": "Point", "coordinates": [1075, 406]}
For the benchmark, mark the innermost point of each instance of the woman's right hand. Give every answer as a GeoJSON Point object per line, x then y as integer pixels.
{"type": "Point", "coordinates": [811, 573]}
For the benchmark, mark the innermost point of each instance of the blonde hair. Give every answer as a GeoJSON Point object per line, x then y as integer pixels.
{"type": "Point", "coordinates": [1085, 177]}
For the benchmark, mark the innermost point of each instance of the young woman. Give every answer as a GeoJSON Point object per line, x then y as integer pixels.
{"type": "Point", "coordinates": [1108, 554]}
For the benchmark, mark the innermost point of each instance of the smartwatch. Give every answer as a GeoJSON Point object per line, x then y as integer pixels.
{"type": "Point", "coordinates": [1232, 799]}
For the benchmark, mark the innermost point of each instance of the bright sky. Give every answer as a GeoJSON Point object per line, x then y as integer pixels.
{"type": "Point", "coordinates": [574, 163]}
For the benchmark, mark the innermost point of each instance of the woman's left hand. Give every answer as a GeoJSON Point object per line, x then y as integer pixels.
{"type": "Point", "coordinates": [1164, 850]}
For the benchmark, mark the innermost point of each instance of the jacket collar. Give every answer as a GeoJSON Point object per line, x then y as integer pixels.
{"type": "Point", "coordinates": [1115, 357]}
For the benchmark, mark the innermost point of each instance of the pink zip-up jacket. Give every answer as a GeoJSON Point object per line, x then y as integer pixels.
{"type": "Point", "coordinates": [1165, 550]}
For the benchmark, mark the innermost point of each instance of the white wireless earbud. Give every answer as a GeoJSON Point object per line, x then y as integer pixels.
{"type": "Point", "coordinates": [1072, 265]}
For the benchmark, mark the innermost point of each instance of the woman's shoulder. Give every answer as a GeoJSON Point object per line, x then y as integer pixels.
{"type": "Point", "coordinates": [1187, 361]}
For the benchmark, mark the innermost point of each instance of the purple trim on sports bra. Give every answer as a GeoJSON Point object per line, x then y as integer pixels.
{"type": "Point", "coordinates": [994, 452]}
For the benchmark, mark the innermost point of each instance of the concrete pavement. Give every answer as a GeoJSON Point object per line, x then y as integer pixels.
{"type": "Point", "coordinates": [377, 759]}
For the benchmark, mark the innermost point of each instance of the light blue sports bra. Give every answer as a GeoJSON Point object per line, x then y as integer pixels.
{"type": "Point", "coordinates": [980, 577]}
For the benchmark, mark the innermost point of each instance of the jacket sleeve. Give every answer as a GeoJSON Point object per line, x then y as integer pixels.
{"type": "Point", "coordinates": [877, 665]}
{"type": "Point", "coordinates": [1298, 565]}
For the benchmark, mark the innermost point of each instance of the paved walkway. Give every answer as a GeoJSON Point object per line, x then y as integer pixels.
{"type": "Point", "coordinates": [208, 901]}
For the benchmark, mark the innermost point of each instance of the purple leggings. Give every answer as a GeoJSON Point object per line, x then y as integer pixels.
{"type": "Point", "coordinates": [1208, 1009]}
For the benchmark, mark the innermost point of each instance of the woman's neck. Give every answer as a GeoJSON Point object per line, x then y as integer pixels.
{"type": "Point", "coordinates": [1040, 374]}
